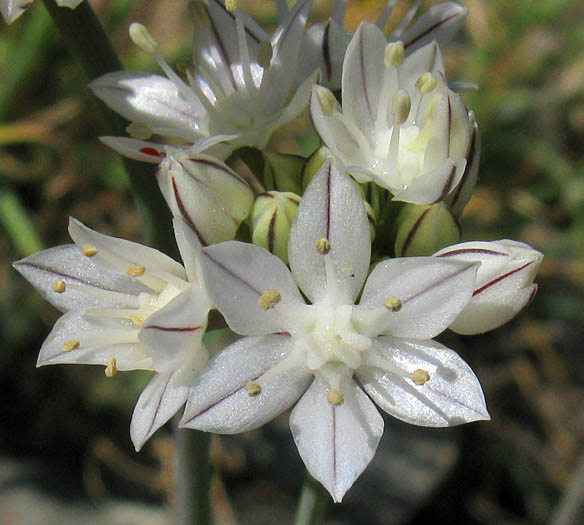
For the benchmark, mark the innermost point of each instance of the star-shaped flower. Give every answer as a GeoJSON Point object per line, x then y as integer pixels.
{"type": "Point", "coordinates": [400, 125]}
{"type": "Point", "coordinates": [327, 353]}
{"type": "Point", "coordinates": [238, 89]}
{"type": "Point", "coordinates": [127, 307]}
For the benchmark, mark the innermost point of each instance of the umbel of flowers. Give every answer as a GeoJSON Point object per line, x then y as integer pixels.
{"type": "Point", "coordinates": [334, 273]}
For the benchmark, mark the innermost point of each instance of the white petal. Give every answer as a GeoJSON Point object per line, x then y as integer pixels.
{"type": "Point", "coordinates": [451, 396]}
{"type": "Point", "coordinates": [189, 247]}
{"type": "Point", "coordinates": [12, 9]}
{"type": "Point", "coordinates": [432, 296]}
{"type": "Point", "coordinates": [236, 275]}
{"type": "Point", "coordinates": [99, 339]}
{"type": "Point", "coordinates": [333, 208]}
{"type": "Point", "coordinates": [362, 75]}
{"type": "Point", "coordinates": [176, 329]}
{"type": "Point", "coordinates": [427, 58]}
{"type": "Point", "coordinates": [68, 264]}
{"type": "Point", "coordinates": [440, 22]}
{"type": "Point", "coordinates": [153, 100]}
{"type": "Point", "coordinates": [336, 443]}
{"type": "Point", "coordinates": [72, 4]}
{"type": "Point", "coordinates": [125, 253]}
{"type": "Point", "coordinates": [164, 395]}
{"type": "Point", "coordinates": [136, 149]}
{"type": "Point", "coordinates": [220, 403]}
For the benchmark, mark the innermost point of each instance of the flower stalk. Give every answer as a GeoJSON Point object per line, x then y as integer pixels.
{"type": "Point", "coordinates": [312, 504]}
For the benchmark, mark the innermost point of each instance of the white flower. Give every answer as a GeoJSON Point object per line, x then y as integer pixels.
{"type": "Point", "coordinates": [239, 86]}
{"type": "Point", "coordinates": [504, 283]}
{"type": "Point", "coordinates": [384, 341]}
{"type": "Point", "coordinates": [399, 125]}
{"type": "Point", "coordinates": [12, 9]}
{"type": "Point", "coordinates": [324, 44]}
{"type": "Point", "coordinates": [127, 307]}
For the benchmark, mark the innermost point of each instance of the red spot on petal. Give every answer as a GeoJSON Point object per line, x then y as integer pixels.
{"type": "Point", "coordinates": [153, 152]}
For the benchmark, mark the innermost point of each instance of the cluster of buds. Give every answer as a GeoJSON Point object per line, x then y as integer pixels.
{"type": "Point", "coordinates": [334, 273]}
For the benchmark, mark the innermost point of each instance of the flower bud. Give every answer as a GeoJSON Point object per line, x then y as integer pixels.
{"type": "Point", "coordinates": [283, 172]}
{"type": "Point", "coordinates": [206, 193]}
{"type": "Point", "coordinates": [421, 230]}
{"type": "Point", "coordinates": [271, 217]}
{"type": "Point", "coordinates": [504, 282]}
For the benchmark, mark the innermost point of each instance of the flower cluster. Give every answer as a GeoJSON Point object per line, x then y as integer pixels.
{"type": "Point", "coordinates": [322, 320]}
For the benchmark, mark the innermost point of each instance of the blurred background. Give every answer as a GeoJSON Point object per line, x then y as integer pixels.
{"type": "Point", "coordinates": [65, 451]}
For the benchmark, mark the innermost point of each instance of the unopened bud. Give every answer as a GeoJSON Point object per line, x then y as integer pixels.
{"type": "Point", "coordinates": [422, 230]}
{"type": "Point", "coordinates": [394, 54]}
{"type": "Point", "coordinates": [400, 107]}
{"type": "Point", "coordinates": [142, 38]}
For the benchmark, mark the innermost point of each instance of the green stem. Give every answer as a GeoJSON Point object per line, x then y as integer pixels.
{"type": "Point", "coordinates": [89, 45]}
{"type": "Point", "coordinates": [312, 505]}
{"type": "Point", "coordinates": [193, 503]}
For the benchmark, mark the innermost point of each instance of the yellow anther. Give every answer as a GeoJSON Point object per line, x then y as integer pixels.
{"type": "Point", "coordinates": [72, 344]}
{"type": "Point", "coordinates": [111, 369]}
{"type": "Point", "coordinates": [394, 54]}
{"type": "Point", "coordinates": [230, 5]}
{"type": "Point", "coordinates": [139, 130]}
{"type": "Point", "coordinates": [269, 299]}
{"type": "Point", "coordinates": [88, 250]}
{"type": "Point", "coordinates": [420, 376]}
{"type": "Point", "coordinates": [335, 397]}
{"type": "Point", "coordinates": [135, 271]}
{"type": "Point", "coordinates": [142, 38]}
{"type": "Point", "coordinates": [393, 303]}
{"type": "Point", "coordinates": [58, 285]}
{"type": "Point", "coordinates": [426, 82]}
{"type": "Point", "coordinates": [136, 320]}
{"type": "Point", "coordinates": [265, 53]}
{"type": "Point", "coordinates": [400, 107]}
{"type": "Point", "coordinates": [253, 388]}
{"type": "Point", "coordinates": [327, 100]}
{"type": "Point", "coordinates": [323, 245]}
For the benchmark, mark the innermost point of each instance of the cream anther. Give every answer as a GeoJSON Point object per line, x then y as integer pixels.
{"type": "Point", "coordinates": [265, 53]}
{"type": "Point", "coordinates": [142, 38]}
{"type": "Point", "coordinates": [394, 54]}
{"type": "Point", "coordinates": [72, 344]}
{"type": "Point", "coordinates": [139, 130]}
{"type": "Point", "coordinates": [393, 303]}
{"type": "Point", "coordinates": [327, 100]}
{"type": "Point", "coordinates": [400, 107]}
{"type": "Point", "coordinates": [323, 245]}
{"type": "Point", "coordinates": [426, 82]}
{"type": "Point", "coordinates": [253, 388]}
{"type": "Point", "coordinates": [420, 376]}
{"type": "Point", "coordinates": [269, 299]}
{"type": "Point", "coordinates": [111, 369]}
{"type": "Point", "coordinates": [230, 5]}
{"type": "Point", "coordinates": [137, 320]}
{"type": "Point", "coordinates": [58, 285]}
{"type": "Point", "coordinates": [335, 397]}
{"type": "Point", "coordinates": [135, 271]}
{"type": "Point", "coordinates": [88, 250]}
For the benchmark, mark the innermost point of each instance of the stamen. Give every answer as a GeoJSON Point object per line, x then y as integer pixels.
{"type": "Point", "coordinates": [139, 130]}
{"type": "Point", "coordinates": [72, 344]}
{"type": "Point", "coordinates": [426, 82]}
{"type": "Point", "coordinates": [142, 38]}
{"type": "Point", "coordinates": [400, 106]}
{"type": "Point", "coordinates": [58, 285]}
{"type": "Point", "coordinates": [231, 5]}
{"type": "Point", "coordinates": [253, 388]}
{"type": "Point", "coordinates": [335, 397]}
{"type": "Point", "coordinates": [394, 54]}
{"type": "Point", "coordinates": [393, 303]}
{"type": "Point", "coordinates": [135, 271]}
{"type": "Point", "coordinates": [137, 320]}
{"type": "Point", "coordinates": [111, 369]}
{"type": "Point", "coordinates": [323, 245]}
{"type": "Point", "coordinates": [269, 299]}
{"type": "Point", "coordinates": [420, 376]}
{"type": "Point", "coordinates": [327, 100]}
{"type": "Point", "coordinates": [265, 53]}
{"type": "Point", "coordinates": [88, 250]}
